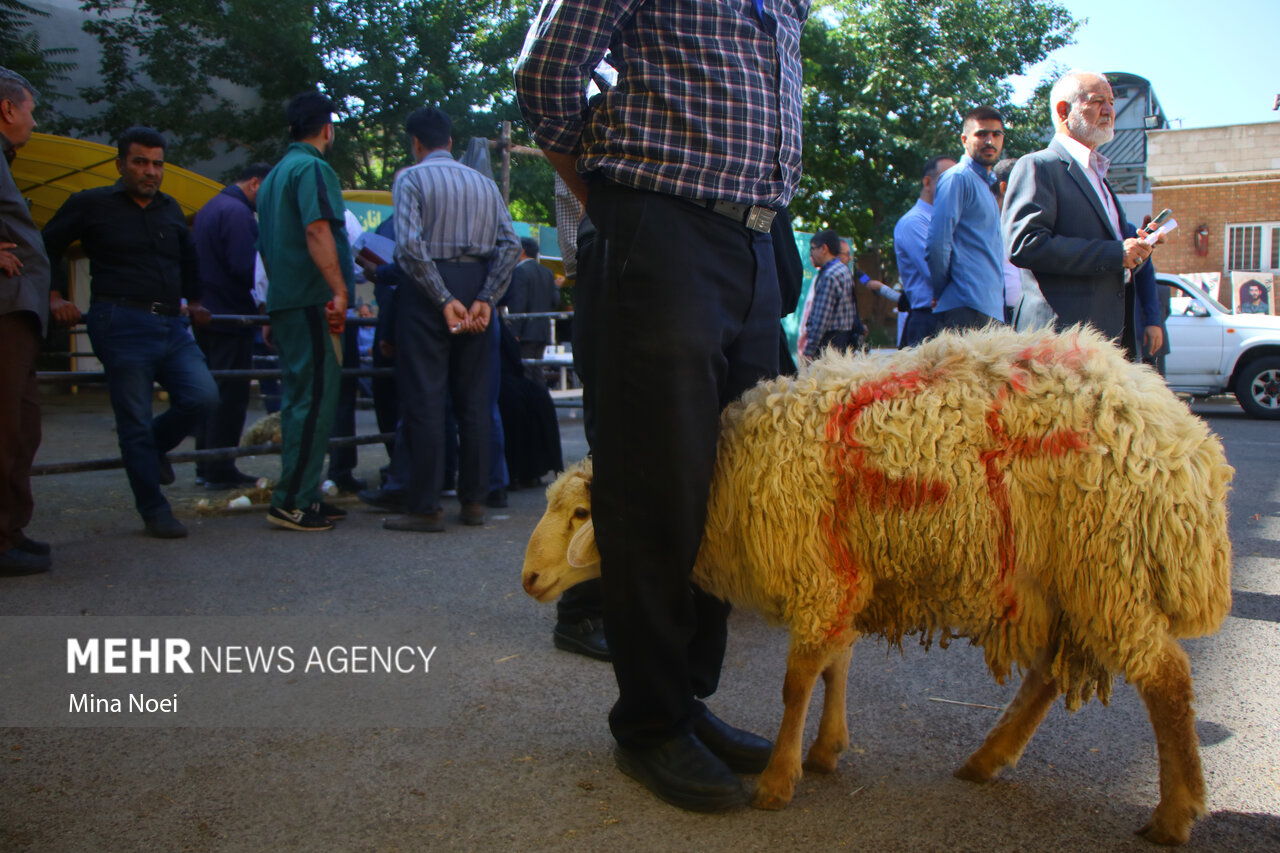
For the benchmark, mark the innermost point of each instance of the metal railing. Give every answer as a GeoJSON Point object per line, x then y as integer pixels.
{"type": "Point", "coordinates": [98, 377]}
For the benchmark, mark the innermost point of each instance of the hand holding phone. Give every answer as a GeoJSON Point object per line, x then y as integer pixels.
{"type": "Point", "coordinates": [1162, 224]}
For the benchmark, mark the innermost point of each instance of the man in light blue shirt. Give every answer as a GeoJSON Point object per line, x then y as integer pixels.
{"type": "Point", "coordinates": [965, 251]}
{"type": "Point", "coordinates": [910, 236]}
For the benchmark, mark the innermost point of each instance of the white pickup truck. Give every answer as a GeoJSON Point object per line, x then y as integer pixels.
{"type": "Point", "coordinates": [1213, 350]}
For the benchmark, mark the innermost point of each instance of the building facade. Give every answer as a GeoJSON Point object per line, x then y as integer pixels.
{"type": "Point", "coordinates": [1223, 186]}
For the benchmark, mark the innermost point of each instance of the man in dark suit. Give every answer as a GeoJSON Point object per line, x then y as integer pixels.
{"type": "Point", "coordinates": [532, 291]}
{"type": "Point", "coordinates": [1064, 224]}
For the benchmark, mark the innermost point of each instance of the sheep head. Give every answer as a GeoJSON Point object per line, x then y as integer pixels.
{"type": "Point", "coordinates": [562, 550]}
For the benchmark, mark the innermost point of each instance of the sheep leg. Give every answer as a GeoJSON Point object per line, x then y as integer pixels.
{"type": "Point", "coordinates": [1006, 740]}
{"type": "Point", "coordinates": [833, 729]}
{"type": "Point", "coordinates": [776, 784]}
{"type": "Point", "coordinates": [1167, 693]}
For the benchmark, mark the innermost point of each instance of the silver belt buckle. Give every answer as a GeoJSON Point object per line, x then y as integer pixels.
{"type": "Point", "coordinates": [760, 218]}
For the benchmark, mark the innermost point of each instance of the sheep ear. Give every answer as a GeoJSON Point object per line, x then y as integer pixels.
{"type": "Point", "coordinates": [582, 547]}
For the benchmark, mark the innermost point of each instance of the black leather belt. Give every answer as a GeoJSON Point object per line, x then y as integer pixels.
{"type": "Point", "coordinates": [461, 259]}
{"type": "Point", "coordinates": [164, 309]}
{"type": "Point", "coordinates": [928, 310]}
{"type": "Point", "coordinates": [757, 217]}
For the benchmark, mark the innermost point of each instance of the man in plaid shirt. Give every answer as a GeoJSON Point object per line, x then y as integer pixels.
{"type": "Point", "coordinates": [834, 310]}
{"type": "Point", "coordinates": [681, 165]}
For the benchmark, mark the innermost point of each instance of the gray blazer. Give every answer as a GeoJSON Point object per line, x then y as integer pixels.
{"type": "Point", "coordinates": [1055, 226]}
{"type": "Point", "coordinates": [29, 289]}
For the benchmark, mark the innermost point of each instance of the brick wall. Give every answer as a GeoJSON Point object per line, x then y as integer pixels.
{"type": "Point", "coordinates": [1214, 203]}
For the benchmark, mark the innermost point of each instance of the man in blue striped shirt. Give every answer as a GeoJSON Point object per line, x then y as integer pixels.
{"type": "Point", "coordinates": [682, 165]}
{"type": "Point", "coordinates": [965, 250]}
{"type": "Point", "coordinates": [457, 247]}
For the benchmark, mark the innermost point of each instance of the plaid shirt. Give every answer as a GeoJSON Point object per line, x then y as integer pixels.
{"type": "Point", "coordinates": [707, 104]}
{"type": "Point", "coordinates": [834, 308]}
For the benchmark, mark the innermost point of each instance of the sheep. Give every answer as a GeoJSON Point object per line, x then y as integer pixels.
{"type": "Point", "coordinates": [1033, 492]}
{"type": "Point", "coordinates": [266, 430]}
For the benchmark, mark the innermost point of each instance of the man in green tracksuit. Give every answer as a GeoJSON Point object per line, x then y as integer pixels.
{"type": "Point", "coordinates": [304, 247]}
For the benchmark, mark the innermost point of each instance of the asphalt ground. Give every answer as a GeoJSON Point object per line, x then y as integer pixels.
{"type": "Point", "coordinates": [503, 744]}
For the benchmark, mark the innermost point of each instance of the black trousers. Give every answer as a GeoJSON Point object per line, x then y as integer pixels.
{"type": "Point", "coordinates": [430, 364]}
{"type": "Point", "coordinates": [225, 351]}
{"type": "Point", "coordinates": [677, 314]}
{"type": "Point", "coordinates": [386, 402]}
{"type": "Point", "coordinates": [343, 460]}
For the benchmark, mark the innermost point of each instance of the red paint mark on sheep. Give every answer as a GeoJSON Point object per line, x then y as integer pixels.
{"type": "Point", "coordinates": [995, 461]}
{"type": "Point", "coordinates": [1053, 352]}
{"type": "Point", "coordinates": [859, 481]}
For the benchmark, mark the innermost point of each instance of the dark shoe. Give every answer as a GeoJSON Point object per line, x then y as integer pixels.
{"type": "Point", "coordinates": [531, 483]}
{"type": "Point", "coordinates": [472, 514]}
{"type": "Point", "coordinates": [298, 519]}
{"type": "Point", "coordinates": [582, 638]}
{"type": "Point", "coordinates": [389, 500]}
{"type": "Point", "coordinates": [31, 546]}
{"type": "Point", "coordinates": [329, 511]}
{"type": "Point", "coordinates": [349, 484]}
{"type": "Point", "coordinates": [497, 499]}
{"type": "Point", "coordinates": [165, 526]}
{"type": "Point", "coordinates": [221, 484]}
{"type": "Point", "coordinates": [166, 476]}
{"type": "Point", "coordinates": [16, 561]}
{"type": "Point", "coordinates": [741, 751]}
{"type": "Point", "coordinates": [683, 772]}
{"type": "Point", "coordinates": [414, 522]}
{"type": "Point", "coordinates": [200, 480]}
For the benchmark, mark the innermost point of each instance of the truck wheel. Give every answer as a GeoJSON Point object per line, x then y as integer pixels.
{"type": "Point", "coordinates": [1258, 388]}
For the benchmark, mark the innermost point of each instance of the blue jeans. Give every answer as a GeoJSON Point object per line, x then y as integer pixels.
{"type": "Point", "coordinates": [137, 349]}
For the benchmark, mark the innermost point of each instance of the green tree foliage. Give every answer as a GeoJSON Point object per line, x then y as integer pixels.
{"type": "Point", "coordinates": [886, 84]}
{"type": "Point", "coordinates": [214, 74]}
{"type": "Point", "coordinates": [385, 58]}
{"type": "Point", "coordinates": [211, 74]}
{"type": "Point", "coordinates": [21, 51]}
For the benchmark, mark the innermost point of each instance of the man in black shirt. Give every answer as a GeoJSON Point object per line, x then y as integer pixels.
{"type": "Point", "coordinates": [142, 263]}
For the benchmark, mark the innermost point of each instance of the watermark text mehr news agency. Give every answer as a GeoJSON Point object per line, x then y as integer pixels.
{"type": "Point", "coordinates": [172, 655]}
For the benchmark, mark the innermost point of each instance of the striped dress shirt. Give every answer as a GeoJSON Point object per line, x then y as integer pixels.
{"type": "Point", "coordinates": [707, 103]}
{"type": "Point", "coordinates": [446, 211]}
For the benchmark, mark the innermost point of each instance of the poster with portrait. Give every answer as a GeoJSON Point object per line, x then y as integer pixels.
{"type": "Point", "coordinates": [1209, 282]}
{"type": "Point", "coordinates": [1253, 292]}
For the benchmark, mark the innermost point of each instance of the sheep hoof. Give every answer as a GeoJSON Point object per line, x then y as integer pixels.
{"type": "Point", "coordinates": [970, 772]}
{"type": "Point", "coordinates": [822, 761]}
{"type": "Point", "coordinates": [1168, 829]}
{"type": "Point", "coordinates": [770, 796]}
{"type": "Point", "coordinates": [1161, 835]}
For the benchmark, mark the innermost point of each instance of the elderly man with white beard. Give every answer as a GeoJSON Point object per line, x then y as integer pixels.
{"type": "Point", "coordinates": [1063, 222]}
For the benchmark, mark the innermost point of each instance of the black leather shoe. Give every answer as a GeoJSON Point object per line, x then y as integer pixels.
{"type": "Point", "coordinates": [236, 480]}
{"type": "Point", "coordinates": [741, 751]}
{"type": "Point", "coordinates": [496, 499]}
{"type": "Point", "coordinates": [387, 499]}
{"type": "Point", "coordinates": [31, 546]}
{"type": "Point", "coordinates": [349, 484]}
{"type": "Point", "coordinates": [583, 638]}
{"type": "Point", "coordinates": [165, 526]}
{"type": "Point", "coordinates": [430, 522]}
{"type": "Point", "coordinates": [472, 514]}
{"type": "Point", "coordinates": [16, 561]}
{"type": "Point", "coordinates": [683, 772]}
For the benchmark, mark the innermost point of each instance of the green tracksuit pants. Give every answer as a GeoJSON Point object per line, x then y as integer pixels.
{"type": "Point", "coordinates": [310, 374]}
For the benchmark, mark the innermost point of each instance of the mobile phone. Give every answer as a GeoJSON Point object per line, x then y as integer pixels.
{"type": "Point", "coordinates": [1158, 220]}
